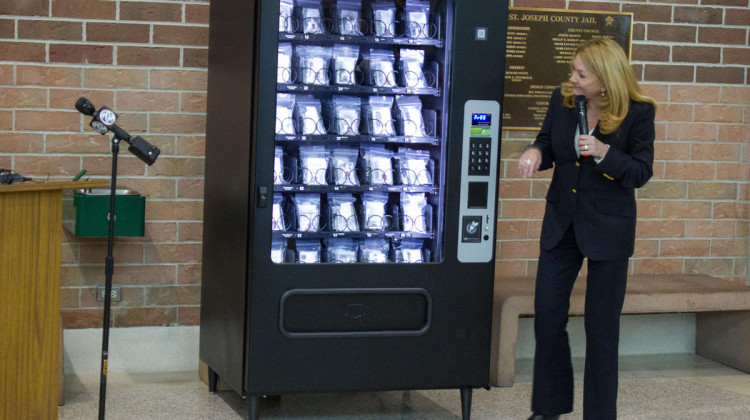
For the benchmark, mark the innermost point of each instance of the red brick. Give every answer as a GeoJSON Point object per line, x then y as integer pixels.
{"type": "Point", "coordinates": [649, 13]}
{"type": "Point", "coordinates": [6, 123]}
{"type": "Point", "coordinates": [77, 143]}
{"type": "Point", "coordinates": [705, 15]}
{"type": "Point", "coordinates": [188, 315]}
{"type": "Point", "coordinates": [177, 166]}
{"type": "Point", "coordinates": [48, 76]}
{"type": "Point", "coordinates": [671, 33]}
{"type": "Point", "coordinates": [173, 295]}
{"type": "Point", "coordinates": [50, 30]}
{"type": "Point", "coordinates": [189, 274]}
{"type": "Point", "coordinates": [84, 9]}
{"type": "Point", "coordinates": [646, 52]}
{"type": "Point", "coordinates": [190, 188]}
{"type": "Point", "coordinates": [22, 51]}
{"type": "Point", "coordinates": [737, 16]}
{"type": "Point", "coordinates": [151, 187]}
{"type": "Point", "coordinates": [160, 231]}
{"type": "Point", "coordinates": [523, 209]}
{"type": "Point", "coordinates": [729, 75]}
{"type": "Point", "coordinates": [512, 229]}
{"type": "Point", "coordinates": [191, 232]}
{"type": "Point", "coordinates": [117, 32]}
{"type": "Point", "coordinates": [69, 298]}
{"type": "Point", "coordinates": [123, 252]}
{"type": "Point", "coordinates": [684, 247]}
{"type": "Point", "coordinates": [686, 132]}
{"type": "Point", "coordinates": [658, 91]}
{"type": "Point", "coordinates": [519, 249]}
{"type": "Point", "coordinates": [515, 189]}
{"type": "Point", "coordinates": [718, 113]}
{"type": "Point", "coordinates": [148, 56]}
{"type": "Point", "coordinates": [195, 57]}
{"type": "Point", "coordinates": [713, 35]}
{"type": "Point", "coordinates": [23, 98]}
{"type": "Point", "coordinates": [726, 2]}
{"type": "Point", "coordinates": [711, 267]}
{"type": "Point", "coordinates": [690, 170]}
{"type": "Point", "coordinates": [111, 78]}
{"type": "Point", "coordinates": [646, 248]}
{"type": "Point", "coordinates": [148, 101]}
{"type": "Point", "coordinates": [657, 266]}
{"type": "Point", "coordinates": [730, 210]}
{"type": "Point", "coordinates": [736, 56]}
{"type": "Point", "coordinates": [6, 74]}
{"type": "Point", "coordinates": [21, 143]}
{"type": "Point", "coordinates": [660, 228]}
{"type": "Point", "coordinates": [151, 11]}
{"type": "Point", "coordinates": [196, 13]}
{"type": "Point", "coordinates": [7, 28]}
{"type": "Point", "coordinates": [174, 210]}
{"type": "Point", "coordinates": [82, 318]}
{"type": "Point", "coordinates": [715, 152]}
{"type": "Point", "coordinates": [668, 73]}
{"type": "Point", "coordinates": [510, 268]}
{"type": "Point", "coordinates": [47, 165]}
{"type": "Point", "coordinates": [179, 79]}
{"type": "Point", "coordinates": [712, 191]}
{"type": "Point", "coordinates": [663, 189]}
{"type": "Point", "coordinates": [736, 95]}
{"type": "Point", "coordinates": [734, 132]}
{"type": "Point", "coordinates": [727, 171]}
{"type": "Point", "coordinates": [143, 317]}
{"type": "Point", "coordinates": [173, 253]}
{"type": "Point", "coordinates": [686, 209]}
{"type": "Point", "coordinates": [674, 112]}
{"type": "Point", "coordinates": [696, 54]}
{"type": "Point", "coordinates": [47, 120]}
{"type": "Point", "coordinates": [648, 209]}
{"type": "Point", "coordinates": [694, 93]}
{"type": "Point", "coordinates": [193, 102]}
{"type": "Point", "coordinates": [729, 247]}
{"type": "Point", "coordinates": [177, 123]}
{"type": "Point", "coordinates": [25, 8]}
{"type": "Point", "coordinates": [127, 165]}
{"type": "Point", "coordinates": [85, 54]}
{"type": "Point", "coordinates": [595, 6]}
{"type": "Point", "coordinates": [181, 35]}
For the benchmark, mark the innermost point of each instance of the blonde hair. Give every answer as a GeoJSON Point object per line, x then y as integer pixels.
{"type": "Point", "coordinates": [607, 60]}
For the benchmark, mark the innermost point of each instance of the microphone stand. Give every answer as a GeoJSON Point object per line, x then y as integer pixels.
{"type": "Point", "coordinates": [108, 270]}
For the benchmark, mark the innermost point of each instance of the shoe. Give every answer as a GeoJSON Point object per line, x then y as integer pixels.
{"type": "Point", "coordinates": [544, 417]}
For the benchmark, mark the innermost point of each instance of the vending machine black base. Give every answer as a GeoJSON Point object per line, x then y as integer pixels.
{"type": "Point", "coordinates": [352, 164]}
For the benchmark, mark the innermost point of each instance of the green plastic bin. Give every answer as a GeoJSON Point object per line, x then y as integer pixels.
{"type": "Point", "coordinates": [92, 207]}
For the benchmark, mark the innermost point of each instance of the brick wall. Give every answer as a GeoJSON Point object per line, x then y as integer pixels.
{"type": "Point", "coordinates": [147, 60]}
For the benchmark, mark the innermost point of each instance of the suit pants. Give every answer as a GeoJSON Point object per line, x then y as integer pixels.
{"type": "Point", "coordinates": [553, 371]}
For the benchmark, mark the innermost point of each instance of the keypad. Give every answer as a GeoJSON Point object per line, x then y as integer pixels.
{"type": "Point", "coordinates": [479, 156]}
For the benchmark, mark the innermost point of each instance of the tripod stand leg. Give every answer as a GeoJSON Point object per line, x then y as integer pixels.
{"type": "Point", "coordinates": [213, 379]}
{"type": "Point", "coordinates": [253, 406]}
{"type": "Point", "coordinates": [466, 403]}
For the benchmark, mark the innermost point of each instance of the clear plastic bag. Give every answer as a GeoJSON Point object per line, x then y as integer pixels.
{"type": "Point", "coordinates": [313, 64]}
{"type": "Point", "coordinates": [409, 251]}
{"type": "Point", "coordinates": [278, 251]}
{"type": "Point", "coordinates": [413, 167]}
{"type": "Point", "coordinates": [375, 250]}
{"type": "Point", "coordinates": [279, 221]}
{"type": "Point", "coordinates": [285, 113]}
{"type": "Point", "coordinates": [417, 18]}
{"type": "Point", "coordinates": [344, 163]}
{"type": "Point", "coordinates": [310, 115]}
{"type": "Point", "coordinates": [379, 117]}
{"type": "Point", "coordinates": [383, 18]}
{"type": "Point", "coordinates": [308, 251]}
{"type": "Point", "coordinates": [348, 16]}
{"type": "Point", "coordinates": [344, 64]}
{"type": "Point", "coordinates": [382, 73]}
{"type": "Point", "coordinates": [284, 63]}
{"type": "Point", "coordinates": [314, 164]}
{"type": "Point", "coordinates": [413, 207]}
{"type": "Point", "coordinates": [343, 215]}
{"type": "Point", "coordinates": [346, 111]}
{"type": "Point", "coordinates": [280, 175]}
{"type": "Point", "coordinates": [375, 217]}
{"type": "Point", "coordinates": [410, 112]}
{"type": "Point", "coordinates": [342, 250]}
{"type": "Point", "coordinates": [286, 22]}
{"type": "Point", "coordinates": [411, 65]}
{"type": "Point", "coordinates": [311, 16]}
{"type": "Point", "coordinates": [308, 212]}
{"type": "Point", "coordinates": [378, 167]}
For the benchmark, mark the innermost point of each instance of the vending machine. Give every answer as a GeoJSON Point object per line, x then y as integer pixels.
{"type": "Point", "coordinates": [352, 162]}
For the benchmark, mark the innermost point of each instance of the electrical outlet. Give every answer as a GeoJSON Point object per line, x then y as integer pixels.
{"type": "Point", "coordinates": [101, 293]}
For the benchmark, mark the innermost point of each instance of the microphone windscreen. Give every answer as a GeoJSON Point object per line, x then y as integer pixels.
{"type": "Point", "coordinates": [85, 107]}
{"type": "Point", "coordinates": [143, 150]}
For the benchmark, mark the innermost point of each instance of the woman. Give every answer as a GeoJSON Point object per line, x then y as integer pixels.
{"type": "Point", "coordinates": [590, 212]}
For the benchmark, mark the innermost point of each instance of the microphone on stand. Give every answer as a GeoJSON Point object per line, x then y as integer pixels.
{"type": "Point", "coordinates": [104, 121]}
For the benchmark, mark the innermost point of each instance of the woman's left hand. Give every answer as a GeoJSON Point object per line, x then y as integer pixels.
{"type": "Point", "coordinates": [591, 146]}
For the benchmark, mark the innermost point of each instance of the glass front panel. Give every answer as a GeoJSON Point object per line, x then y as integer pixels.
{"type": "Point", "coordinates": [359, 147]}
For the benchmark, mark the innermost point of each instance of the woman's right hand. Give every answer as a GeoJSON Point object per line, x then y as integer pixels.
{"type": "Point", "coordinates": [529, 162]}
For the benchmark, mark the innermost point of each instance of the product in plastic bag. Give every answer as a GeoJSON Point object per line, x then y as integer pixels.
{"type": "Point", "coordinates": [278, 222]}
{"type": "Point", "coordinates": [346, 111]}
{"type": "Point", "coordinates": [374, 250]}
{"type": "Point", "coordinates": [344, 63]}
{"type": "Point", "coordinates": [343, 216]}
{"type": "Point", "coordinates": [279, 175]}
{"type": "Point", "coordinates": [285, 113]}
{"type": "Point", "coordinates": [378, 167]}
{"type": "Point", "coordinates": [311, 16]}
{"type": "Point", "coordinates": [313, 63]}
{"type": "Point", "coordinates": [383, 18]}
{"type": "Point", "coordinates": [410, 113]}
{"type": "Point", "coordinates": [278, 251]}
{"type": "Point", "coordinates": [379, 118]}
{"type": "Point", "coordinates": [411, 64]}
{"type": "Point", "coordinates": [382, 72]}
{"type": "Point", "coordinates": [308, 212]}
{"type": "Point", "coordinates": [314, 164]}
{"type": "Point", "coordinates": [308, 251]}
{"type": "Point", "coordinates": [373, 205]}
{"type": "Point", "coordinates": [347, 17]}
{"type": "Point", "coordinates": [413, 167]}
{"type": "Point", "coordinates": [417, 16]}
{"type": "Point", "coordinates": [413, 207]}
{"type": "Point", "coordinates": [310, 115]}
{"type": "Point", "coordinates": [284, 63]}
{"type": "Point", "coordinates": [409, 250]}
{"type": "Point", "coordinates": [342, 250]}
{"type": "Point", "coordinates": [344, 163]}
{"type": "Point", "coordinates": [286, 22]}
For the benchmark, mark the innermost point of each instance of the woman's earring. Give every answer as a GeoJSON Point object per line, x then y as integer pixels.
{"type": "Point", "coordinates": [604, 93]}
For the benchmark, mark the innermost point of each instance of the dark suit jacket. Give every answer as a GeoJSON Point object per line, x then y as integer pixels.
{"type": "Point", "coordinates": [599, 199]}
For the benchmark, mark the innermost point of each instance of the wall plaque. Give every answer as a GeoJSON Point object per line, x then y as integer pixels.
{"type": "Point", "coordinates": [539, 48]}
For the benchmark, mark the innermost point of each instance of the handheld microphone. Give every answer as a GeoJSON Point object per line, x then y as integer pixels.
{"type": "Point", "coordinates": [104, 121]}
{"type": "Point", "coordinates": [583, 125]}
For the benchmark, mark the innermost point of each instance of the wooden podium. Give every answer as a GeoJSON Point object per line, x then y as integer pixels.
{"type": "Point", "coordinates": [30, 243]}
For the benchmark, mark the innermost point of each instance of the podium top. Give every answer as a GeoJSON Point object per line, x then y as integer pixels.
{"type": "Point", "coordinates": [52, 185]}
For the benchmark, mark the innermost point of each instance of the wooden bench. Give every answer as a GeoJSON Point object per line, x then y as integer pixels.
{"type": "Point", "coordinates": [723, 320]}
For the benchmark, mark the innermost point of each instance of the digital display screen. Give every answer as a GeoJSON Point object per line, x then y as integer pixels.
{"type": "Point", "coordinates": [481, 119]}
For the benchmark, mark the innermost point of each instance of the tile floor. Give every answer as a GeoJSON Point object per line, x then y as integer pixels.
{"type": "Point", "coordinates": [651, 387]}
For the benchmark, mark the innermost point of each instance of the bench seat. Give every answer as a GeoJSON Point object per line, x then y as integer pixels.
{"type": "Point", "coordinates": [723, 321]}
